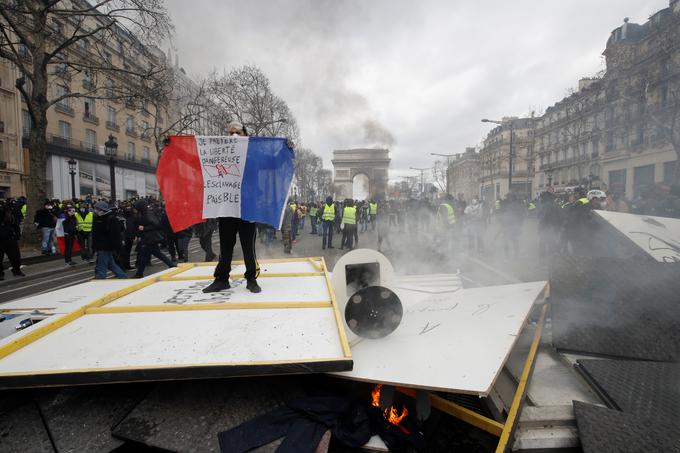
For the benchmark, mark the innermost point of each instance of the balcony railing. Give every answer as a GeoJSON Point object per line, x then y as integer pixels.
{"type": "Point", "coordinates": [64, 108]}
{"type": "Point", "coordinates": [112, 126]}
{"type": "Point", "coordinates": [89, 118]}
{"type": "Point", "coordinates": [88, 84]}
{"type": "Point", "coordinates": [93, 148]}
{"type": "Point", "coordinates": [130, 132]}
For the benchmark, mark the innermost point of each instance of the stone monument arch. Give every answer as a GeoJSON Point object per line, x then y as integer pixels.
{"type": "Point", "coordinates": [361, 173]}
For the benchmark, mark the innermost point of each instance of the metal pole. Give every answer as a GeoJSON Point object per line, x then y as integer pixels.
{"type": "Point", "coordinates": [73, 184]}
{"type": "Point", "coordinates": [510, 158]}
{"type": "Point", "coordinates": [112, 167]}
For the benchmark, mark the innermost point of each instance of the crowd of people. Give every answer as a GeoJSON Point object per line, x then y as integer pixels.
{"type": "Point", "coordinates": [106, 234]}
{"type": "Point", "coordinates": [458, 224]}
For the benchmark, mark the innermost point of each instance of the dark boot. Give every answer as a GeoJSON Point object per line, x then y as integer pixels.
{"type": "Point", "coordinates": [217, 285]}
{"type": "Point", "coordinates": [253, 286]}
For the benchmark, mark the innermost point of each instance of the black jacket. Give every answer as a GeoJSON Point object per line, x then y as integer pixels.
{"type": "Point", "coordinates": [10, 221]}
{"type": "Point", "coordinates": [153, 231]}
{"type": "Point", "coordinates": [69, 224]}
{"type": "Point", "coordinates": [45, 218]}
{"type": "Point", "coordinates": [106, 233]}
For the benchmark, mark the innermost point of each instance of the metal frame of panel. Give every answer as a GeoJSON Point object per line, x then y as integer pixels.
{"type": "Point", "coordinates": [183, 371]}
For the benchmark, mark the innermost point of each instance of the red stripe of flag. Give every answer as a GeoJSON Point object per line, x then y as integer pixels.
{"type": "Point", "coordinates": [180, 179]}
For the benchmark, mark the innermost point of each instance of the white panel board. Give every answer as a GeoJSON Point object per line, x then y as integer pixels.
{"type": "Point", "coordinates": [659, 237]}
{"type": "Point", "coordinates": [454, 342]}
{"type": "Point", "coordinates": [68, 299]}
{"type": "Point", "coordinates": [265, 268]}
{"type": "Point", "coordinates": [165, 339]}
{"type": "Point", "coordinates": [274, 289]}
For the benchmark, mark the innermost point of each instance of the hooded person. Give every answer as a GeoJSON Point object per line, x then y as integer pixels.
{"type": "Point", "coordinates": [106, 239]}
{"type": "Point", "coordinates": [228, 228]}
{"type": "Point", "coordinates": [150, 233]}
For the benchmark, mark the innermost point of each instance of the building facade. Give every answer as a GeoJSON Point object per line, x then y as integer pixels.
{"type": "Point", "coordinates": [112, 99]}
{"type": "Point", "coordinates": [516, 135]}
{"type": "Point", "coordinates": [617, 131]}
{"type": "Point", "coordinates": [12, 160]}
{"type": "Point", "coordinates": [569, 138]}
{"type": "Point", "coordinates": [462, 176]}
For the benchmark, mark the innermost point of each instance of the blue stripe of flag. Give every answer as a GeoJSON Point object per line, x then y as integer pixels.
{"type": "Point", "coordinates": [266, 180]}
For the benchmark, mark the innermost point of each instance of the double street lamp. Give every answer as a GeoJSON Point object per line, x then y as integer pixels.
{"type": "Point", "coordinates": [72, 171]}
{"type": "Point", "coordinates": [111, 150]}
{"type": "Point", "coordinates": [512, 125]}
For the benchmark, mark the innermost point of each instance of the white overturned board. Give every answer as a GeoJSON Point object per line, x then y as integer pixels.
{"type": "Point", "coordinates": [65, 300]}
{"type": "Point", "coordinates": [659, 237]}
{"type": "Point", "coordinates": [167, 328]}
{"type": "Point", "coordinates": [274, 289]}
{"type": "Point", "coordinates": [456, 342]}
{"type": "Point", "coordinates": [173, 339]}
{"type": "Point", "coordinates": [265, 268]}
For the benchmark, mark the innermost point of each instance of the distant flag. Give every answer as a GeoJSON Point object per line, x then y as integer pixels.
{"type": "Point", "coordinates": [61, 241]}
{"type": "Point", "coordinates": [204, 177]}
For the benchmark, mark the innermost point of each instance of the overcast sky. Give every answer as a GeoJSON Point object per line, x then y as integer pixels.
{"type": "Point", "coordinates": [414, 76]}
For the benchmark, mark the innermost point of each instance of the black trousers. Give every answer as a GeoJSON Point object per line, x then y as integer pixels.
{"type": "Point", "coordinates": [11, 249]}
{"type": "Point", "coordinates": [228, 228]}
{"type": "Point", "coordinates": [206, 244]}
{"type": "Point", "coordinates": [69, 239]}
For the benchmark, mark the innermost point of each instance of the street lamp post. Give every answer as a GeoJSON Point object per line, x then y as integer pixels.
{"type": "Point", "coordinates": [422, 178]}
{"type": "Point", "coordinates": [111, 149]}
{"type": "Point", "coordinates": [512, 125]}
{"type": "Point", "coordinates": [448, 165]}
{"type": "Point", "coordinates": [72, 171]}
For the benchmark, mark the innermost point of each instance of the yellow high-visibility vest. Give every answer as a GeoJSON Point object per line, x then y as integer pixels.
{"type": "Point", "coordinates": [23, 210]}
{"type": "Point", "coordinates": [84, 224]}
{"type": "Point", "coordinates": [450, 215]}
{"type": "Point", "coordinates": [373, 208]}
{"type": "Point", "coordinates": [313, 211]}
{"type": "Point", "coordinates": [349, 215]}
{"type": "Point", "coordinates": [293, 206]}
{"type": "Point", "coordinates": [328, 212]}
{"type": "Point", "coordinates": [584, 200]}
{"type": "Point", "coordinates": [532, 206]}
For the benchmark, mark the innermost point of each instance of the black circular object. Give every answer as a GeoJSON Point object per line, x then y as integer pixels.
{"type": "Point", "coordinates": [373, 312]}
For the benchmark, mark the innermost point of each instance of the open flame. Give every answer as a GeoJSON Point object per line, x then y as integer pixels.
{"type": "Point", "coordinates": [391, 414]}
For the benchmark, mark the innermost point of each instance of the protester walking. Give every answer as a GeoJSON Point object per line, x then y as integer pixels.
{"type": "Point", "coordinates": [106, 239]}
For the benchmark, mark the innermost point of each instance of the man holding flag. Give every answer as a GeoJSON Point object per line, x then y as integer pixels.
{"type": "Point", "coordinates": [228, 228]}
{"type": "Point", "coordinates": [237, 179]}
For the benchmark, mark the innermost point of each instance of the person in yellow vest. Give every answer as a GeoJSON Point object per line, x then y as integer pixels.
{"type": "Point", "coordinates": [328, 222]}
{"type": "Point", "coordinates": [446, 215]}
{"type": "Point", "coordinates": [372, 213]}
{"type": "Point", "coordinates": [84, 219]}
{"type": "Point", "coordinates": [313, 211]}
{"type": "Point", "coordinates": [349, 219]}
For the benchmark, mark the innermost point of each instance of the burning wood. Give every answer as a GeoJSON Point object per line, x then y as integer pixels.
{"type": "Point", "coordinates": [390, 414]}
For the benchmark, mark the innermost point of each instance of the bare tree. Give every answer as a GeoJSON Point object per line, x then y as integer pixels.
{"type": "Point", "coordinates": [171, 94]}
{"type": "Point", "coordinates": [439, 174]}
{"type": "Point", "coordinates": [307, 168]}
{"type": "Point", "coordinates": [61, 38]}
{"type": "Point", "coordinates": [246, 95]}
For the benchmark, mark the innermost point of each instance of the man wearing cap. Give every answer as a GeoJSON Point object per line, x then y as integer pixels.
{"type": "Point", "coordinates": [106, 238]}
{"type": "Point", "coordinates": [228, 228]}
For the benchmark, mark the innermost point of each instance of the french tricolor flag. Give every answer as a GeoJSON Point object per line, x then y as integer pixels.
{"type": "Point", "coordinates": [204, 177]}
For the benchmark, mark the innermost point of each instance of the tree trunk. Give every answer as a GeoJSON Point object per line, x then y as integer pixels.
{"type": "Point", "coordinates": [36, 189]}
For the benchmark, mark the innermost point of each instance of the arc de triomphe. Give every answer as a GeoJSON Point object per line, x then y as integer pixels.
{"type": "Point", "coordinates": [361, 173]}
